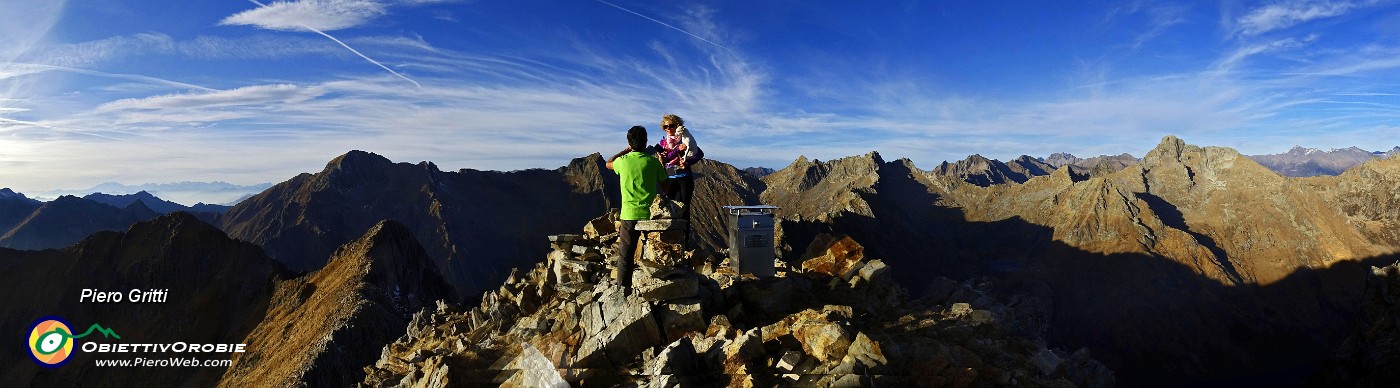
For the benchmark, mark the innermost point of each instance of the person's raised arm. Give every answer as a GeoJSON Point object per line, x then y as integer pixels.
{"type": "Point", "coordinates": [619, 155]}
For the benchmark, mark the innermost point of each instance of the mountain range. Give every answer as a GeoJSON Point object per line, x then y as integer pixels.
{"type": "Point", "coordinates": [156, 204]}
{"type": "Point", "coordinates": [31, 224]}
{"type": "Point", "coordinates": [979, 170]}
{"type": "Point", "coordinates": [1304, 162]}
{"type": "Point", "coordinates": [476, 225]}
{"type": "Point", "coordinates": [1191, 264]}
{"type": "Point", "coordinates": [64, 221]}
{"type": "Point", "coordinates": [211, 193]}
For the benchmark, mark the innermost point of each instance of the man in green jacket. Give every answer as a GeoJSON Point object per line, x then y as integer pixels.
{"type": "Point", "coordinates": [640, 175]}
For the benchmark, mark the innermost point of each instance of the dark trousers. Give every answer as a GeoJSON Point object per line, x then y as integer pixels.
{"type": "Point", "coordinates": [626, 252]}
{"type": "Point", "coordinates": [682, 189]}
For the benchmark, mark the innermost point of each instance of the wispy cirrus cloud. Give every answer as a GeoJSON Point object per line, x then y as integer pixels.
{"type": "Point", "coordinates": [1234, 58]}
{"type": "Point", "coordinates": [249, 95]}
{"type": "Point", "coordinates": [102, 51]}
{"type": "Point", "coordinates": [478, 110]}
{"type": "Point", "coordinates": [1290, 13]}
{"type": "Point", "coordinates": [1157, 18]}
{"type": "Point", "coordinates": [324, 15]}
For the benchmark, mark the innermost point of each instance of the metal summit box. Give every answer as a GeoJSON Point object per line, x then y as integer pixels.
{"type": "Point", "coordinates": [751, 238]}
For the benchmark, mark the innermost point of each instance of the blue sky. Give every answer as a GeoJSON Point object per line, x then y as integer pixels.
{"type": "Point", "coordinates": [168, 91]}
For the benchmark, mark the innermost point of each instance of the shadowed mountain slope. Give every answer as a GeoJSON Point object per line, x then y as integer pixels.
{"type": "Point", "coordinates": [69, 219]}
{"type": "Point", "coordinates": [217, 290]}
{"type": "Point", "coordinates": [15, 207]}
{"type": "Point", "coordinates": [476, 225]}
{"type": "Point", "coordinates": [323, 328]}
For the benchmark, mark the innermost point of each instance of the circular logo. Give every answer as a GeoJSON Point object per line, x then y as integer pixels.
{"type": "Point", "coordinates": [50, 341]}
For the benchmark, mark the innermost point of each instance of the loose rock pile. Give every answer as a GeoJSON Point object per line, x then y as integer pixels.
{"type": "Point", "coordinates": [836, 319]}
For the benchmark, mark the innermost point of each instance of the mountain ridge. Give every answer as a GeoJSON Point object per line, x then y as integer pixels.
{"type": "Point", "coordinates": [1305, 162]}
{"type": "Point", "coordinates": [345, 312]}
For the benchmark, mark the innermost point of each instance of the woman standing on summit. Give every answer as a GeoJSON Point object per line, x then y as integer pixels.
{"type": "Point", "coordinates": [679, 151]}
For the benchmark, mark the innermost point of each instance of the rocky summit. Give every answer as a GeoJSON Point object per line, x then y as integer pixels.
{"type": "Point", "coordinates": [834, 319]}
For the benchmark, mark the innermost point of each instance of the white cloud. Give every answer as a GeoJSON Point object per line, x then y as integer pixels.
{"type": "Point", "coordinates": [323, 15]}
{"type": "Point", "coordinates": [102, 51]}
{"type": "Point", "coordinates": [496, 111]}
{"type": "Point", "coordinates": [251, 95]}
{"type": "Point", "coordinates": [1158, 18]}
{"type": "Point", "coordinates": [24, 24]}
{"type": "Point", "coordinates": [87, 54]}
{"type": "Point", "coordinates": [1288, 14]}
{"type": "Point", "coordinates": [1241, 53]}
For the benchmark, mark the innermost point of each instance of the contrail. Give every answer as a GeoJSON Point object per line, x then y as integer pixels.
{"type": "Point", "coordinates": [662, 23]}
{"type": "Point", "coordinates": [30, 123]}
{"type": "Point", "coordinates": [347, 47]}
{"type": "Point", "coordinates": [133, 77]}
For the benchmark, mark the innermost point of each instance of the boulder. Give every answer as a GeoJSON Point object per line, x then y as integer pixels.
{"type": "Point", "coordinates": [599, 227]}
{"type": "Point", "coordinates": [833, 256]}
{"type": "Point", "coordinates": [866, 351]}
{"type": "Point", "coordinates": [678, 358]}
{"type": "Point", "coordinates": [628, 329]}
{"type": "Point", "coordinates": [873, 270]}
{"type": "Point", "coordinates": [531, 368]}
{"type": "Point", "coordinates": [663, 208]}
{"type": "Point", "coordinates": [569, 271]}
{"type": "Point", "coordinates": [826, 341]}
{"type": "Point", "coordinates": [681, 317]}
{"type": "Point", "coordinates": [654, 289]}
{"type": "Point", "coordinates": [748, 346]}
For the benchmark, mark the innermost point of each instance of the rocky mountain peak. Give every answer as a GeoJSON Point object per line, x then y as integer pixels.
{"type": "Point", "coordinates": [172, 222]}
{"type": "Point", "coordinates": [7, 194]}
{"type": "Point", "coordinates": [356, 159]}
{"type": "Point", "coordinates": [1171, 150]}
{"type": "Point", "coordinates": [804, 175]}
{"type": "Point", "coordinates": [392, 257]}
{"type": "Point", "coordinates": [1060, 159]}
{"type": "Point", "coordinates": [137, 207]}
{"type": "Point", "coordinates": [590, 174]}
{"type": "Point", "coordinates": [978, 170]}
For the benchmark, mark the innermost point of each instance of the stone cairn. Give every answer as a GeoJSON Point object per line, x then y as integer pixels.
{"type": "Point", "coordinates": [692, 320]}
